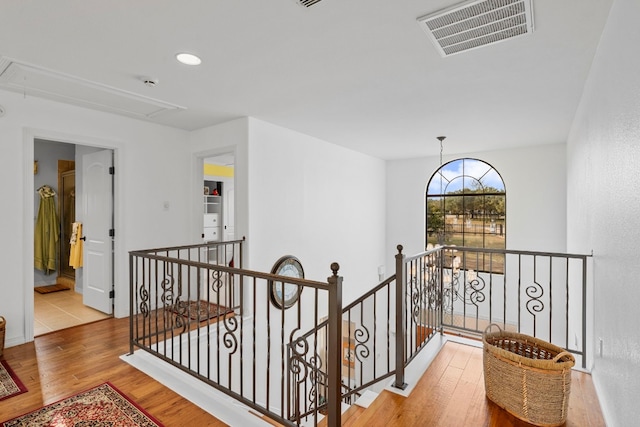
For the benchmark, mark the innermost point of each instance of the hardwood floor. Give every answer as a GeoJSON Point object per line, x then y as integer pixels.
{"type": "Point", "coordinates": [450, 393]}
{"type": "Point", "coordinates": [66, 362]}
{"type": "Point", "coordinates": [60, 310]}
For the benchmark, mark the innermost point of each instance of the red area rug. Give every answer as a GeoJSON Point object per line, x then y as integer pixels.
{"type": "Point", "coordinates": [202, 310]}
{"type": "Point", "coordinates": [10, 384]}
{"type": "Point", "coordinates": [101, 406]}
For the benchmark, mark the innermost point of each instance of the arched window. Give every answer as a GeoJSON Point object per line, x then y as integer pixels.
{"type": "Point", "coordinates": [466, 206]}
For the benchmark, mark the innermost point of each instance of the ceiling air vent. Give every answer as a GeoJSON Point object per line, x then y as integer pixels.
{"type": "Point", "coordinates": [307, 3]}
{"type": "Point", "coordinates": [477, 23]}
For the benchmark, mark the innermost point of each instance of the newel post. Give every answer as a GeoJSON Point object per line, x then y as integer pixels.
{"type": "Point", "coordinates": [334, 359]}
{"type": "Point", "coordinates": [401, 284]}
{"type": "Point", "coordinates": [132, 308]}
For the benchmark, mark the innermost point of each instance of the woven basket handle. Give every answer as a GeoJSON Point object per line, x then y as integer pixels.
{"type": "Point", "coordinates": [486, 330]}
{"type": "Point", "coordinates": [561, 355]}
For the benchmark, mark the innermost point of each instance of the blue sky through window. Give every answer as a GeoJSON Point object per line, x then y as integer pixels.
{"type": "Point", "coordinates": [464, 173]}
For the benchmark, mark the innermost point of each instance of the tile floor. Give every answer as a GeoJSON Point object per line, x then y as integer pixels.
{"type": "Point", "coordinates": [60, 310]}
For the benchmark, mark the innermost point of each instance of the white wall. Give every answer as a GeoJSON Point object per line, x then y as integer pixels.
{"type": "Point", "coordinates": [302, 196]}
{"type": "Point", "coordinates": [535, 181]}
{"type": "Point", "coordinates": [151, 167]}
{"type": "Point", "coordinates": [604, 207]}
{"type": "Point", "coordinates": [318, 201]}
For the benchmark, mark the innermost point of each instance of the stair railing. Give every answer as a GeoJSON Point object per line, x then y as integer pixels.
{"type": "Point", "coordinates": [382, 331]}
{"type": "Point", "coordinates": [197, 309]}
{"type": "Point", "coordinates": [259, 355]}
{"type": "Point", "coordinates": [454, 290]}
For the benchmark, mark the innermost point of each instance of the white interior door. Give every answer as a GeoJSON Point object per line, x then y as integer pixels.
{"type": "Point", "coordinates": [97, 196]}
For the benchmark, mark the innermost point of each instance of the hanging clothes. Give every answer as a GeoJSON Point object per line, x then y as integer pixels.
{"type": "Point", "coordinates": [47, 231]}
{"type": "Point", "coordinates": [75, 253]}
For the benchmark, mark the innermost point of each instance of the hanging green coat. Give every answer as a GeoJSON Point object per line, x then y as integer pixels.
{"type": "Point", "coordinates": [47, 231]}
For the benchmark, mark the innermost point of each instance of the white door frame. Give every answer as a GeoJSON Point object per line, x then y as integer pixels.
{"type": "Point", "coordinates": [198, 176]}
{"type": "Point", "coordinates": [28, 137]}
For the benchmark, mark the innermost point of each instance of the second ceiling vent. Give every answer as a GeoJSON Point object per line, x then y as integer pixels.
{"type": "Point", "coordinates": [477, 23]}
{"type": "Point", "coordinates": [307, 3]}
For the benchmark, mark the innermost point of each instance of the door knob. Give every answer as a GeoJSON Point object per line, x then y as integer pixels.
{"type": "Point", "coordinates": [83, 238]}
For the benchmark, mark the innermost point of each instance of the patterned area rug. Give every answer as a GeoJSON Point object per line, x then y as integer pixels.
{"type": "Point", "coordinates": [51, 288]}
{"type": "Point", "coordinates": [10, 384]}
{"type": "Point", "coordinates": [202, 310]}
{"type": "Point", "coordinates": [101, 406]}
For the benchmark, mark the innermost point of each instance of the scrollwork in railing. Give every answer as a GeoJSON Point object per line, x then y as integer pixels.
{"type": "Point", "coordinates": [297, 365]}
{"type": "Point", "coordinates": [431, 291]}
{"type": "Point", "coordinates": [361, 336]}
{"type": "Point", "coordinates": [229, 338]}
{"type": "Point", "coordinates": [306, 365]}
{"type": "Point", "coordinates": [167, 296]}
{"type": "Point", "coordinates": [535, 292]}
{"type": "Point", "coordinates": [181, 310]}
{"type": "Point", "coordinates": [474, 288]}
{"type": "Point", "coordinates": [174, 311]}
{"type": "Point", "coordinates": [318, 379]}
{"type": "Point", "coordinates": [461, 285]}
{"type": "Point", "coordinates": [449, 296]}
{"type": "Point", "coordinates": [217, 280]}
{"type": "Point", "coordinates": [144, 301]}
{"type": "Point", "coordinates": [416, 300]}
{"type": "Point", "coordinates": [424, 285]}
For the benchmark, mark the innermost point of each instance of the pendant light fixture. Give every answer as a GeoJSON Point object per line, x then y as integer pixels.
{"type": "Point", "coordinates": [441, 139]}
{"type": "Point", "coordinates": [441, 178]}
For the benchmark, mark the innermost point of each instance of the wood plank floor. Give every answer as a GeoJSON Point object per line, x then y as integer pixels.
{"type": "Point", "coordinates": [69, 361]}
{"type": "Point", "coordinates": [451, 393]}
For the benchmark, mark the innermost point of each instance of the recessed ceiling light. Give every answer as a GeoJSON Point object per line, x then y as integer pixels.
{"type": "Point", "coordinates": [188, 59]}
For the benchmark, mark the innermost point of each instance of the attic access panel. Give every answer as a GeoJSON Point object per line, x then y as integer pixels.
{"type": "Point", "coordinates": [37, 81]}
{"type": "Point", "coordinates": [477, 23]}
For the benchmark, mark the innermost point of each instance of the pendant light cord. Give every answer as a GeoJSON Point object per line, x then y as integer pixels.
{"type": "Point", "coordinates": [441, 139]}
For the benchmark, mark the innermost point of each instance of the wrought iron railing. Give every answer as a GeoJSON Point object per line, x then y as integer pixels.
{"type": "Point", "coordinates": [366, 352]}
{"type": "Point", "coordinates": [463, 290]}
{"type": "Point", "coordinates": [297, 365]}
{"type": "Point", "coordinates": [542, 294]}
{"type": "Point", "coordinates": [537, 293]}
{"type": "Point", "coordinates": [196, 308]}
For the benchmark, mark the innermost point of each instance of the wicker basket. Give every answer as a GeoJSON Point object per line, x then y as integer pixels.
{"type": "Point", "coordinates": [528, 377]}
{"type": "Point", "coordinates": [3, 324]}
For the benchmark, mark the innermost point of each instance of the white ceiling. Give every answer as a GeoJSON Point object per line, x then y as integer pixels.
{"type": "Point", "coordinates": [358, 73]}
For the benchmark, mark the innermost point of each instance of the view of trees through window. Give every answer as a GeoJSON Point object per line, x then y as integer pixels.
{"type": "Point", "coordinates": [466, 206]}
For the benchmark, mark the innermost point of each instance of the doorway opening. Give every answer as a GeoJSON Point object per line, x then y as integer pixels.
{"type": "Point", "coordinates": [58, 285]}
{"type": "Point", "coordinates": [219, 197]}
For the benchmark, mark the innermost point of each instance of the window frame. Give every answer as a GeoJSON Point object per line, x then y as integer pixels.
{"type": "Point", "coordinates": [492, 224]}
